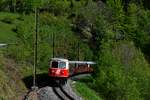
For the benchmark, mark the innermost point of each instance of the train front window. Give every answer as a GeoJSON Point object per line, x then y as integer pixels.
{"type": "Point", "coordinates": [62, 64]}
{"type": "Point", "coordinates": [54, 64]}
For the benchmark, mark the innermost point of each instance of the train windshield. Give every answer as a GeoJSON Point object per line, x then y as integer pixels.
{"type": "Point", "coordinates": [58, 64]}
{"type": "Point", "coordinates": [55, 64]}
{"type": "Point", "coordinates": [62, 64]}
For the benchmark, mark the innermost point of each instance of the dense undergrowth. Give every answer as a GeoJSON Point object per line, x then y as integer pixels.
{"type": "Point", "coordinates": [115, 35]}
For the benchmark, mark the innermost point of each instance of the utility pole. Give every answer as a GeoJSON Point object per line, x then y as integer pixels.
{"type": "Point", "coordinates": [78, 51]}
{"type": "Point", "coordinates": [35, 87]}
{"type": "Point", "coordinates": [53, 45]}
{"type": "Point", "coordinates": [14, 5]}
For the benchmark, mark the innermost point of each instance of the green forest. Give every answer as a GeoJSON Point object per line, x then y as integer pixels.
{"type": "Point", "coordinates": [113, 33]}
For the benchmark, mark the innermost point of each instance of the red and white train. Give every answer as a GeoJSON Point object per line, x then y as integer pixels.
{"type": "Point", "coordinates": [63, 68]}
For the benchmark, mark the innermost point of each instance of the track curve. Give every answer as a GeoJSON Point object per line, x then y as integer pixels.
{"type": "Point", "coordinates": [49, 90]}
{"type": "Point", "coordinates": [63, 92]}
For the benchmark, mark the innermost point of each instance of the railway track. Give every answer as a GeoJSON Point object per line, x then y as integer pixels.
{"type": "Point", "coordinates": [62, 94]}
{"type": "Point", "coordinates": [51, 91]}
{"type": "Point", "coordinates": [54, 92]}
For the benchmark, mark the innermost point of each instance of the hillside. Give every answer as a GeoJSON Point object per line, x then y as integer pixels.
{"type": "Point", "coordinates": [7, 27]}
{"type": "Point", "coordinates": [12, 86]}
{"type": "Point", "coordinates": [13, 66]}
{"type": "Point", "coordinates": [114, 34]}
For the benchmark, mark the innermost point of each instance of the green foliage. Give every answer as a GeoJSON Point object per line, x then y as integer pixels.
{"type": "Point", "coordinates": [119, 39]}
{"type": "Point", "coordinates": [85, 16]}
{"type": "Point", "coordinates": [66, 43]}
{"type": "Point", "coordinates": [7, 25]}
{"type": "Point", "coordinates": [119, 62]}
{"type": "Point", "coordinates": [137, 27]}
{"type": "Point", "coordinates": [120, 75]}
{"type": "Point", "coordinates": [60, 7]}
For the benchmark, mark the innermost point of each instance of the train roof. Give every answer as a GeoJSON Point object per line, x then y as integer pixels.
{"type": "Point", "coordinates": [59, 59]}
{"type": "Point", "coordinates": [82, 62]}
{"type": "Point", "coordinates": [73, 62]}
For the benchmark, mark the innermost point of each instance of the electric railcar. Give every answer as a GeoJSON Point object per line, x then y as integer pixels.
{"type": "Point", "coordinates": [63, 68]}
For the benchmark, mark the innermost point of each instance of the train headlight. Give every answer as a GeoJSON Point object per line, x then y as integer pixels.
{"type": "Point", "coordinates": [53, 71]}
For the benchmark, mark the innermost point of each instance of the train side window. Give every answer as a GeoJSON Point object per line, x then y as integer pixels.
{"type": "Point", "coordinates": [55, 64]}
{"type": "Point", "coordinates": [62, 64]}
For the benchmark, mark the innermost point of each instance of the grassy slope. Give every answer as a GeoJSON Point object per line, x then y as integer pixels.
{"type": "Point", "coordinates": [11, 74]}
{"type": "Point", "coordinates": [7, 26]}
{"type": "Point", "coordinates": [82, 88]}
{"type": "Point", "coordinates": [87, 93]}
{"type": "Point", "coordinates": [5, 90]}
{"type": "Point", "coordinates": [6, 34]}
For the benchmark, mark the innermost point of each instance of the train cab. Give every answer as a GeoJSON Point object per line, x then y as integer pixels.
{"type": "Point", "coordinates": [59, 68]}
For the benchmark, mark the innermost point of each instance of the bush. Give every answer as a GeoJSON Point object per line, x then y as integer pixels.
{"type": "Point", "coordinates": [122, 72]}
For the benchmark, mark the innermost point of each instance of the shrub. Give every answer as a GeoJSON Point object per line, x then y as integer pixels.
{"type": "Point", "coordinates": [123, 73]}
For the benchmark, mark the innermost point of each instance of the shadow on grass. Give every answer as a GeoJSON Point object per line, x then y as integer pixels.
{"type": "Point", "coordinates": [42, 81]}
{"type": "Point", "coordinates": [82, 77]}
